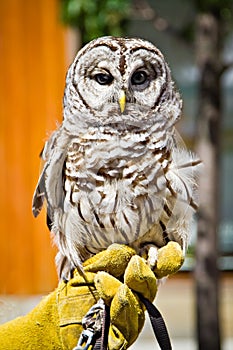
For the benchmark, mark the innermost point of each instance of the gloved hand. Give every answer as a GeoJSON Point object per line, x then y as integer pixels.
{"type": "Point", "coordinates": [126, 309]}
{"type": "Point", "coordinates": [116, 275]}
{"type": "Point", "coordinates": [103, 273]}
{"type": "Point", "coordinates": [56, 322]}
{"type": "Point", "coordinates": [76, 297]}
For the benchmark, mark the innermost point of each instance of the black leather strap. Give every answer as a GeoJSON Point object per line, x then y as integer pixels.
{"type": "Point", "coordinates": [158, 325]}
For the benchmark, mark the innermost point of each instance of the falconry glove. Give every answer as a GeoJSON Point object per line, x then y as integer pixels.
{"type": "Point", "coordinates": [117, 276]}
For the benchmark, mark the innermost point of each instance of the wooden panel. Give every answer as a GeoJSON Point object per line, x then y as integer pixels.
{"type": "Point", "coordinates": [32, 70]}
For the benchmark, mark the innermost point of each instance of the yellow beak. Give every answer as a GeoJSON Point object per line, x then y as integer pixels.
{"type": "Point", "coordinates": [122, 101]}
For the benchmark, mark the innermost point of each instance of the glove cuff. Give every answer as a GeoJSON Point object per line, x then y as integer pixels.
{"type": "Point", "coordinates": [73, 303]}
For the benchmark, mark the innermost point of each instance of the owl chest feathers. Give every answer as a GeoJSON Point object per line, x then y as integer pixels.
{"type": "Point", "coordinates": [92, 166]}
{"type": "Point", "coordinates": [114, 186]}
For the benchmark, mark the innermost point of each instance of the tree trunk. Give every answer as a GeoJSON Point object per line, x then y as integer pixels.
{"type": "Point", "coordinates": [208, 50]}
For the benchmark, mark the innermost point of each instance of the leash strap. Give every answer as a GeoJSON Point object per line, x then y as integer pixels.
{"type": "Point", "coordinates": [158, 324]}
{"type": "Point", "coordinates": [96, 327]}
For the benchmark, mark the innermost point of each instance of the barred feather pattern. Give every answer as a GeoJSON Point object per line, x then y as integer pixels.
{"type": "Point", "coordinates": [111, 175]}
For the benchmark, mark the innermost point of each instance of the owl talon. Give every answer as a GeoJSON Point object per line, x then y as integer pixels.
{"type": "Point", "coordinates": [150, 253]}
{"type": "Point", "coordinates": [152, 257]}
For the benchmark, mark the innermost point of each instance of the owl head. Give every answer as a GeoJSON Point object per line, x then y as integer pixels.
{"type": "Point", "coordinates": [120, 81]}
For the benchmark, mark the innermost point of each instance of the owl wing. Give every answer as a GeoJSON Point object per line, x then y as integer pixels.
{"type": "Point", "coordinates": [39, 198]}
{"type": "Point", "coordinates": [50, 184]}
{"type": "Point", "coordinates": [184, 170]}
{"type": "Point", "coordinates": [39, 195]}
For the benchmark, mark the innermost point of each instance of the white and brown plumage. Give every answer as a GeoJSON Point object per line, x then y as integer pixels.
{"type": "Point", "coordinates": [114, 171]}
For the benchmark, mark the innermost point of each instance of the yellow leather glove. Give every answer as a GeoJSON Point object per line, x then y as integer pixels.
{"type": "Point", "coordinates": [117, 275]}
{"type": "Point", "coordinates": [56, 322]}
{"type": "Point", "coordinates": [169, 260]}
{"type": "Point", "coordinates": [76, 297]}
{"type": "Point", "coordinates": [39, 329]}
{"type": "Point", "coordinates": [126, 309]}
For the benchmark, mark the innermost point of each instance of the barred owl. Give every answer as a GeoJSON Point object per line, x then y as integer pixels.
{"type": "Point", "coordinates": [114, 171]}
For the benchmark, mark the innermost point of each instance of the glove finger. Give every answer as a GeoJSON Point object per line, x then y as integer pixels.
{"type": "Point", "coordinates": [170, 259]}
{"type": "Point", "coordinates": [126, 317]}
{"type": "Point", "coordinates": [139, 277]}
{"type": "Point", "coordinates": [81, 279]}
{"type": "Point", "coordinates": [112, 260]}
{"type": "Point", "coordinates": [106, 286]}
{"type": "Point", "coordinates": [116, 340]}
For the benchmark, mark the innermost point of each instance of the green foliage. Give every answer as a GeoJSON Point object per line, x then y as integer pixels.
{"type": "Point", "coordinates": [96, 18]}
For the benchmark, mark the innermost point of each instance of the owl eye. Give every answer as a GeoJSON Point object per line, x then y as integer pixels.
{"type": "Point", "coordinates": [139, 77]}
{"type": "Point", "coordinates": [103, 78]}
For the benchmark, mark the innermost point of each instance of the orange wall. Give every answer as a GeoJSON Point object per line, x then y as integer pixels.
{"type": "Point", "coordinates": [32, 74]}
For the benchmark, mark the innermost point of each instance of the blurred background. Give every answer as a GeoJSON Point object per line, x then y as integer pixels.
{"type": "Point", "coordinates": [38, 41]}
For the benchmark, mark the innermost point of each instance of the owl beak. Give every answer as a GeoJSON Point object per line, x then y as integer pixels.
{"type": "Point", "coordinates": [122, 101]}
